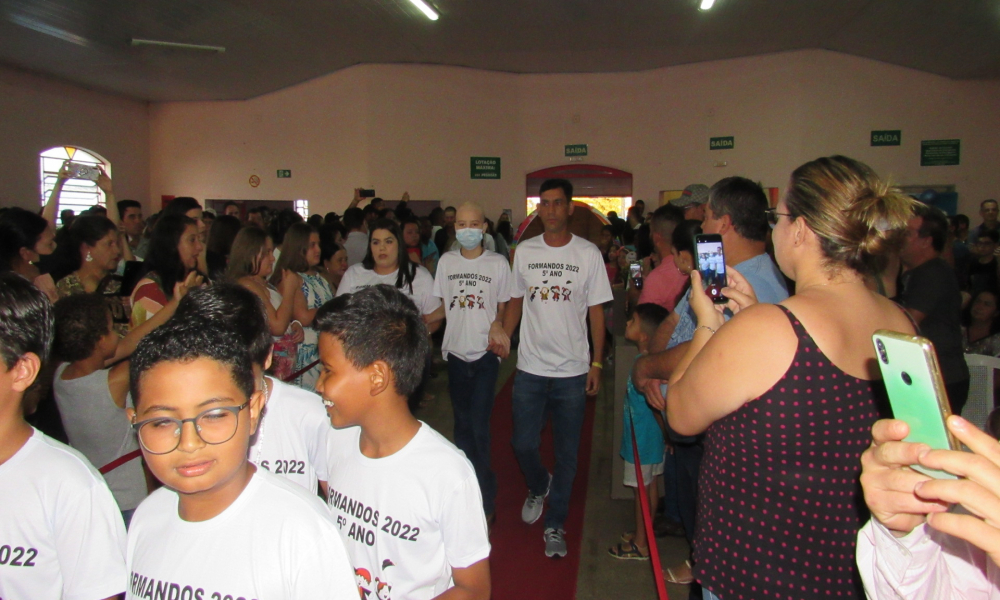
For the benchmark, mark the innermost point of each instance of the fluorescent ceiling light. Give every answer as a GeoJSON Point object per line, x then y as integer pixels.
{"type": "Point", "coordinates": [426, 9]}
{"type": "Point", "coordinates": [706, 4]}
{"type": "Point", "coordinates": [36, 25]}
{"type": "Point", "coordinates": [177, 45]}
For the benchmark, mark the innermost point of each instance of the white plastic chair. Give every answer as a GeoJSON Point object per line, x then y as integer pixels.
{"type": "Point", "coordinates": [980, 402]}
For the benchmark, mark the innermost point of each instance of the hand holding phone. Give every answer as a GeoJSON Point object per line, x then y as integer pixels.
{"type": "Point", "coordinates": [916, 391]}
{"type": "Point", "coordinates": [711, 264]}
{"type": "Point", "coordinates": [635, 274]}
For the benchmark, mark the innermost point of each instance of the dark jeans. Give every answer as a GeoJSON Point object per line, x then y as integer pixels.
{"type": "Point", "coordinates": [471, 386]}
{"type": "Point", "coordinates": [534, 398]}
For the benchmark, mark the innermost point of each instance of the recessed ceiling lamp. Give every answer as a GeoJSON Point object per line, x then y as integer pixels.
{"type": "Point", "coordinates": [706, 4]}
{"type": "Point", "coordinates": [426, 9]}
{"type": "Point", "coordinates": [178, 45]}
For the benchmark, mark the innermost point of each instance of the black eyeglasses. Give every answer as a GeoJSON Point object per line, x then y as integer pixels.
{"type": "Point", "coordinates": [162, 435]}
{"type": "Point", "coordinates": [772, 215]}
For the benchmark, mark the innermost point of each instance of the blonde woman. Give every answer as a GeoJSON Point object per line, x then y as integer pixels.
{"type": "Point", "coordinates": [251, 262]}
{"type": "Point", "coordinates": [786, 394]}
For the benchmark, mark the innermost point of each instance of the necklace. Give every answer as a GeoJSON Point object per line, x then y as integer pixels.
{"type": "Point", "coordinates": [259, 446]}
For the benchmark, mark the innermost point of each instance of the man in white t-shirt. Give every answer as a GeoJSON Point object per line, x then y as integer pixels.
{"type": "Point", "coordinates": [220, 527]}
{"type": "Point", "coordinates": [405, 500]}
{"type": "Point", "coordinates": [61, 534]}
{"type": "Point", "coordinates": [474, 284]}
{"type": "Point", "coordinates": [558, 280]}
{"type": "Point", "coordinates": [291, 438]}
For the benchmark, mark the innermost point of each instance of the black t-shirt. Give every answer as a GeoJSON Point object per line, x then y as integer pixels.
{"type": "Point", "coordinates": [932, 289]}
{"type": "Point", "coordinates": [982, 276]}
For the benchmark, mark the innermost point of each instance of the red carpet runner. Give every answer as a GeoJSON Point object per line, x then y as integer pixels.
{"type": "Point", "coordinates": [518, 564]}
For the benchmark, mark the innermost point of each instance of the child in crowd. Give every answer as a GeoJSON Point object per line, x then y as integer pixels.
{"type": "Point", "coordinates": [91, 399]}
{"type": "Point", "coordinates": [648, 437]}
{"type": "Point", "coordinates": [406, 501]}
{"type": "Point", "coordinates": [220, 527]}
{"type": "Point", "coordinates": [292, 435]}
{"type": "Point", "coordinates": [62, 534]}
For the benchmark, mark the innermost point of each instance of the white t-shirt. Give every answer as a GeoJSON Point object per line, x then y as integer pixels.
{"type": "Point", "coordinates": [471, 290]}
{"type": "Point", "coordinates": [409, 518]}
{"type": "Point", "coordinates": [276, 540]}
{"type": "Point", "coordinates": [356, 246]}
{"type": "Point", "coordinates": [558, 286]}
{"type": "Point", "coordinates": [357, 278]}
{"type": "Point", "coordinates": [61, 534]}
{"type": "Point", "coordinates": [291, 438]}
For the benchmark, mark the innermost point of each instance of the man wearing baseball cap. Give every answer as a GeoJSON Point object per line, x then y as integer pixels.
{"type": "Point", "coordinates": [693, 200]}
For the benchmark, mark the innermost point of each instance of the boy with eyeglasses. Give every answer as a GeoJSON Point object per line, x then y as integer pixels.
{"type": "Point", "coordinates": [220, 527]}
{"type": "Point", "coordinates": [61, 535]}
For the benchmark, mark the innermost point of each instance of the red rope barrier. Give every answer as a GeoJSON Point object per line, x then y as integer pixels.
{"type": "Point", "coordinates": [647, 519]}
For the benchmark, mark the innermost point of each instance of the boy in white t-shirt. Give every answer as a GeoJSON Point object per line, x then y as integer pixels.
{"type": "Point", "coordinates": [291, 438]}
{"type": "Point", "coordinates": [406, 501]}
{"type": "Point", "coordinates": [61, 535]}
{"type": "Point", "coordinates": [475, 286]}
{"type": "Point", "coordinates": [220, 527]}
{"type": "Point", "coordinates": [559, 280]}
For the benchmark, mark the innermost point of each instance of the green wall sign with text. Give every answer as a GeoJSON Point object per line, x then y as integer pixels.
{"type": "Point", "coordinates": [886, 137]}
{"type": "Point", "coordinates": [485, 167]}
{"type": "Point", "coordinates": [721, 143]}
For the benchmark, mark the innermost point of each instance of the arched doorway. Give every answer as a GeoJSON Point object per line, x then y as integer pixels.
{"type": "Point", "coordinates": [601, 188]}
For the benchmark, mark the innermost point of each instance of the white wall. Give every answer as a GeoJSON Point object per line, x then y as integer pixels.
{"type": "Point", "coordinates": [414, 127]}
{"type": "Point", "coordinates": [38, 113]}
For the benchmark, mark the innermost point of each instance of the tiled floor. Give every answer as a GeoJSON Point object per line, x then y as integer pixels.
{"type": "Point", "coordinates": [601, 577]}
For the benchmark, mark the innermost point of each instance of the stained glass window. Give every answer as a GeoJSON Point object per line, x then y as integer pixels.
{"type": "Point", "coordinates": [603, 204]}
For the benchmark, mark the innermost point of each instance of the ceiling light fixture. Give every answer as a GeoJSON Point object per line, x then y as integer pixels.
{"type": "Point", "coordinates": [426, 9]}
{"type": "Point", "coordinates": [706, 4]}
{"type": "Point", "coordinates": [178, 45]}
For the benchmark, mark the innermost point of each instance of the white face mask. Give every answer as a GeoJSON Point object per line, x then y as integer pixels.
{"type": "Point", "coordinates": [469, 238]}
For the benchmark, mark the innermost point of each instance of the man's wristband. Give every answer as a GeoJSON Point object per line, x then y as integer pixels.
{"type": "Point", "coordinates": [597, 364]}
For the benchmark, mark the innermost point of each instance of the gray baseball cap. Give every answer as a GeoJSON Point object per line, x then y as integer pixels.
{"type": "Point", "coordinates": [693, 195]}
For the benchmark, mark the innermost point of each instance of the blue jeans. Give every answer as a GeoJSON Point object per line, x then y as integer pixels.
{"type": "Point", "coordinates": [471, 386]}
{"type": "Point", "coordinates": [534, 398]}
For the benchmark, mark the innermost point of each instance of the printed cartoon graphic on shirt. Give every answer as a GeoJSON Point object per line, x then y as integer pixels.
{"type": "Point", "coordinates": [466, 298]}
{"type": "Point", "coordinates": [555, 283]}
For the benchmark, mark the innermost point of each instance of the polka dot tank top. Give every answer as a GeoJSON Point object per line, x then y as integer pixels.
{"type": "Point", "coordinates": [779, 501]}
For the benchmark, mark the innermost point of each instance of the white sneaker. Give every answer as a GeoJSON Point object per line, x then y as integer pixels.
{"type": "Point", "coordinates": [555, 543]}
{"type": "Point", "coordinates": [532, 509]}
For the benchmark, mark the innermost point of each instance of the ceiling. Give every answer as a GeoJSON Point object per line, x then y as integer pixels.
{"type": "Point", "coordinates": [271, 45]}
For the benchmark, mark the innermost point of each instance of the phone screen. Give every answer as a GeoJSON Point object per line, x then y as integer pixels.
{"type": "Point", "coordinates": [711, 266]}
{"type": "Point", "coordinates": [635, 274]}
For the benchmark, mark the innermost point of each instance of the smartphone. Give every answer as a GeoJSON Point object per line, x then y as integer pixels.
{"type": "Point", "coordinates": [368, 193]}
{"type": "Point", "coordinates": [916, 391]}
{"type": "Point", "coordinates": [711, 263]}
{"type": "Point", "coordinates": [635, 274]}
{"type": "Point", "coordinates": [82, 171]}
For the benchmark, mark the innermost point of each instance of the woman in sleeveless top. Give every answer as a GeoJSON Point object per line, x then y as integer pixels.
{"type": "Point", "coordinates": [787, 394]}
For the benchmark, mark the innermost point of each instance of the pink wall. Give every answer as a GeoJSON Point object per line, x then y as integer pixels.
{"type": "Point", "coordinates": [39, 113]}
{"type": "Point", "coordinates": [414, 127]}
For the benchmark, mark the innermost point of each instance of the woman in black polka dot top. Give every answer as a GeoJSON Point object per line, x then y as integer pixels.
{"type": "Point", "coordinates": [787, 394]}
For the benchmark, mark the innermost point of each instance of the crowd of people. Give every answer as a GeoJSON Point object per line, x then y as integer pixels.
{"type": "Point", "coordinates": [298, 350]}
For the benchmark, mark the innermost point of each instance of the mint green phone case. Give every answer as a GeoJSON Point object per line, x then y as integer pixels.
{"type": "Point", "coordinates": [916, 390]}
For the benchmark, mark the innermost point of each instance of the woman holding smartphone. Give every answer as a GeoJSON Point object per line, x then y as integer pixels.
{"type": "Point", "coordinates": [786, 394]}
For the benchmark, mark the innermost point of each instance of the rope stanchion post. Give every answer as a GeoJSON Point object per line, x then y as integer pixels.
{"type": "Point", "coordinates": [647, 518]}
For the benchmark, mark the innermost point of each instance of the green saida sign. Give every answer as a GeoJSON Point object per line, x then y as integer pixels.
{"type": "Point", "coordinates": [886, 137]}
{"type": "Point", "coordinates": [576, 149]}
{"type": "Point", "coordinates": [721, 143]}
{"type": "Point", "coordinates": [485, 167]}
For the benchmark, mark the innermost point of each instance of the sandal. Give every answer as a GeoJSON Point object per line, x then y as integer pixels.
{"type": "Point", "coordinates": [669, 577]}
{"type": "Point", "coordinates": [627, 551]}
{"type": "Point", "coordinates": [628, 537]}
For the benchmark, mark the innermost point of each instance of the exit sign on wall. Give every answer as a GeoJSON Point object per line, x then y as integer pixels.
{"type": "Point", "coordinates": [284, 173]}
{"type": "Point", "coordinates": [887, 137]}
{"type": "Point", "coordinates": [576, 149]}
{"type": "Point", "coordinates": [721, 143]}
